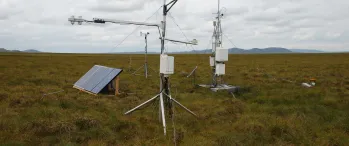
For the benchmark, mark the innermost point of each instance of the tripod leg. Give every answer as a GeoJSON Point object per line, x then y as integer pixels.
{"type": "Point", "coordinates": [153, 70]}
{"type": "Point", "coordinates": [148, 101]}
{"type": "Point", "coordinates": [175, 101]}
{"type": "Point", "coordinates": [137, 70]}
{"type": "Point", "coordinates": [184, 107]}
{"type": "Point", "coordinates": [162, 112]}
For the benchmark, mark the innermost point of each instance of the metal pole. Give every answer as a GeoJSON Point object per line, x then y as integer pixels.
{"type": "Point", "coordinates": [162, 76]}
{"type": "Point", "coordinates": [219, 23]}
{"type": "Point", "coordinates": [139, 106]}
{"type": "Point", "coordinates": [185, 108]}
{"type": "Point", "coordinates": [146, 53]}
{"type": "Point", "coordinates": [217, 36]}
{"type": "Point", "coordinates": [219, 2]}
{"type": "Point", "coordinates": [163, 28]}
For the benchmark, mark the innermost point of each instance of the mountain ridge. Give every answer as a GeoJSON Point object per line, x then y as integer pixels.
{"type": "Point", "coordinates": [269, 50]}
{"type": "Point", "coordinates": [18, 51]}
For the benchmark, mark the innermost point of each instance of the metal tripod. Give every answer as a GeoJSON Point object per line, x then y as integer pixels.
{"type": "Point", "coordinates": [165, 98]}
{"type": "Point", "coordinates": [168, 102]}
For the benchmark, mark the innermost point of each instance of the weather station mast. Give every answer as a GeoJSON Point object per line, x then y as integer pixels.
{"type": "Point", "coordinates": [166, 62]}
{"type": "Point", "coordinates": [145, 65]}
{"type": "Point", "coordinates": [217, 62]}
{"type": "Point", "coordinates": [218, 57]}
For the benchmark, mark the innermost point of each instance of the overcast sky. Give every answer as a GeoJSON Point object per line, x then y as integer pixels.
{"type": "Point", "coordinates": [299, 24]}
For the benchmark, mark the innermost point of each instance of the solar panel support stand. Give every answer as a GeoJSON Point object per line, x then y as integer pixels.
{"type": "Point", "coordinates": [117, 86]}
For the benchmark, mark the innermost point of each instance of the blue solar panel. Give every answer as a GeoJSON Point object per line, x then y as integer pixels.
{"type": "Point", "coordinates": [97, 78]}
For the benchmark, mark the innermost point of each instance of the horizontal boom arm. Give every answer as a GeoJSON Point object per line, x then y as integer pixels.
{"type": "Point", "coordinates": [79, 20]}
{"type": "Point", "coordinates": [193, 42]}
{"type": "Point", "coordinates": [100, 20]}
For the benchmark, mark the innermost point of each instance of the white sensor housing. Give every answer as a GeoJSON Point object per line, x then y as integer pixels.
{"type": "Point", "coordinates": [220, 69]}
{"type": "Point", "coordinates": [166, 64]}
{"type": "Point", "coordinates": [212, 61]}
{"type": "Point", "coordinates": [221, 54]}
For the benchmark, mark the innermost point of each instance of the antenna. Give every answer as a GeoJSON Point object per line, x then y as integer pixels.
{"type": "Point", "coordinates": [166, 62]}
{"type": "Point", "coordinates": [218, 57]}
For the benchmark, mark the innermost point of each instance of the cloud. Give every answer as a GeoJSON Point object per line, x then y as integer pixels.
{"type": "Point", "coordinates": [119, 5]}
{"type": "Point", "coordinates": [236, 11]}
{"type": "Point", "coordinates": [295, 10]}
{"type": "Point", "coordinates": [42, 24]}
{"type": "Point", "coordinates": [8, 9]}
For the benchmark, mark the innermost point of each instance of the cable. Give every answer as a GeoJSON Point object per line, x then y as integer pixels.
{"type": "Point", "coordinates": [174, 21]}
{"type": "Point", "coordinates": [208, 45]}
{"type": "Point", "coordinates": [51, 93]}
{"type": "Point", "coordinates": [133, 31]}
{"type": "Point", "coordinates": [230, 40]}
{"type": "Point", "coordinates": [196, 53]}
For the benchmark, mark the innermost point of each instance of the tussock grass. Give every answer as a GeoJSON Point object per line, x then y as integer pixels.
{"type": "Point", "coordinates": [268, 111]}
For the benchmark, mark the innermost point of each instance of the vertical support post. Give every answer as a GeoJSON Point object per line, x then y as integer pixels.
{"type": "Point", "coordinates": [217, 35]}
{"type": "Point", "coordinates": [110, 89]}
{"type": "Point", "coordinates": [163, 78]}
{"type": "Point", "coordinates": [130, 63]}
{"type": "Point", "coordinates": [117, 80]}
{"type": "Point", "coordinates": [162, 112]}
{"type": "Point", "coordinates": [146, 59]}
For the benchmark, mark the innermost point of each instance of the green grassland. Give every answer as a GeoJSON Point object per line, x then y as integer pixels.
{"type": "Point", "coordinates": [269, 111]}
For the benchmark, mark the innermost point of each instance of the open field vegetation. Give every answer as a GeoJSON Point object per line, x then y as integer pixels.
{"type": "Point", "coordinates": [269, 111]}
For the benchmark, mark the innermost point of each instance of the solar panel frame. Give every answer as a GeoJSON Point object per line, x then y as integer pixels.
{"type": "Point", "coordinates": [97, 78]}
{"type": "Point", "coordinates": [107, 79]}
{"type": "Point", "coordinates": [82, 81]}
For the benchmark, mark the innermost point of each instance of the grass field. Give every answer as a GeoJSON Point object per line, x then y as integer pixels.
{"type": "Point", "coordinates": [270, 111]}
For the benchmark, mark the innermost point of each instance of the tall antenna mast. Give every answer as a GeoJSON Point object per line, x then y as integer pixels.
{"type": "Point", "coordinates": [217, 35]}
{"type": "Point", "coordinates": [166, 62]}
{"type": "Point", "coordinates": [165, 70]}
{"type": "Point", "coordinates": [218, 57]}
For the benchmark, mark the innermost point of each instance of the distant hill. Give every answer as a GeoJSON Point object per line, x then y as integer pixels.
{"type": "Point", "coordinates": [2, 50]}
{"type": "Point", "coordinates": [306, 51]}
{"type": "Point", "coordinates": [271, 50]}
{"type": "Point", "coordinates": [25, 51]}
{"type": "Point", "coordinates": [139, 52]}
{"type": "Point", "coordinates": [31, 51]}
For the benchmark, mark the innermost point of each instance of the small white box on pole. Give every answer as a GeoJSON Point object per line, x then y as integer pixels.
{"type": "Point", "coordinates": [212, 61]}
{"type": "Point", "coordinates": [220, 69]}
{"type": "Point", "coordinates": [221, 54]}
{"type": "Point", "coordinates": [167, 64]}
